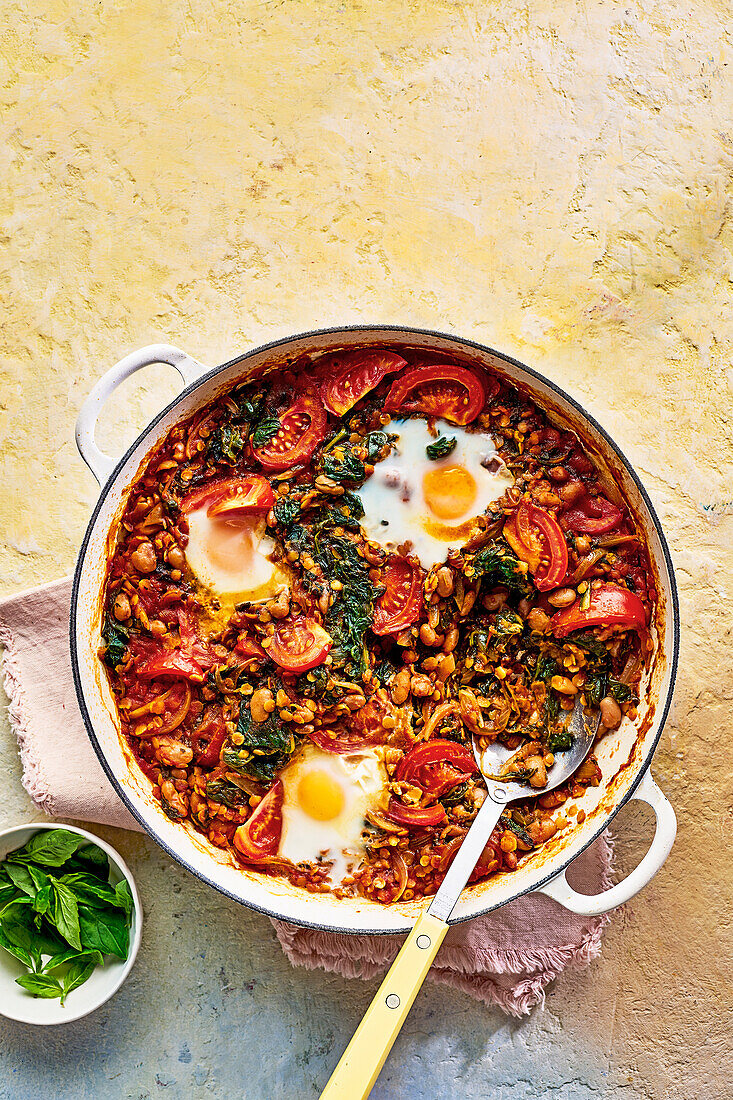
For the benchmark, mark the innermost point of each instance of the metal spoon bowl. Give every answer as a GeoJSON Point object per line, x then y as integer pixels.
{"type": "Point", "coordinates": [501, 791]}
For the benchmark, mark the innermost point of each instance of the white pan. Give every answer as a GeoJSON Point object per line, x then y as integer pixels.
{"type": "Point", "coordinates": [624, 756]}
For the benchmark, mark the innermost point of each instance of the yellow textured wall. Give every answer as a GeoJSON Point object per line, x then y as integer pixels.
{"type": "Point", "coordinates": [553, 179]}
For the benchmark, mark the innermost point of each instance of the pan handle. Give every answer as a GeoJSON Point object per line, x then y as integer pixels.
{"type": "Point", "coordinates": [99, 463]}
{"type": "Point", "coordinates": [591, 905]}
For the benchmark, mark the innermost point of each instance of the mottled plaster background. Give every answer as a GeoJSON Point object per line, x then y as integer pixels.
{"type": "Point", "coordinates": [553, 179]}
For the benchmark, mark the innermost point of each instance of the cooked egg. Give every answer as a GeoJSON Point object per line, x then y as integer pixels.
{"type": "Point", "coordinates": [431, 503]}
{"type": "Point", "coordinates": [232, 559]}
{"type": "Point", "coordinates": [326, 796]}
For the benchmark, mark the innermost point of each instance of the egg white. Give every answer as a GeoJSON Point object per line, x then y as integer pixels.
{"type": "Point", "coordinates": [362, 778]}
{"type": "Point", "coordinates": [395, 507]}
{"type": "Point", "coordinates": [232, 559]}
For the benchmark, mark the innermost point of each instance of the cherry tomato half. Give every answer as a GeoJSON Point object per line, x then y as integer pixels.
{"type": "Point", "coordinates": [436, 766]}
{"type": "Point", "coordinates": [610, 605]}
{"type": "Point", "coordinates": [592, 515]}
{"type": "Point", "coordinates": [241, 496]}
{"type": "Point", "coordinates": [341, 743]}
{"type": "Point", "coordinates": [299, 643]}
{"type": "Point", "coordinates": [208, 737]}
{"type": "Point", "coordinates": [259, 838]}
{"type": "Point", "coordinates": [352, 374]}
{"type": "Point", "coordinates": [537, 538]}
{"type": "Point", "coordinates": [249, 647]}
{"type": "Point", "coordinates": [399, 605]}
{"type": "Point", "coordinates": [414, 817]}
{"type": "Point", "coordinates": [439, 389]}
{"type": "Point", "coordinates": [365, 727]}
{"type": "Point", "coordinates": [302, 427]}
{"type": "Point", "coordinates": [189, 659]}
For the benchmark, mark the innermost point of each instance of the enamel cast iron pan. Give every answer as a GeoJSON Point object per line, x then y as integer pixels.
{"type": "Point", "coordinates": [624, 756]}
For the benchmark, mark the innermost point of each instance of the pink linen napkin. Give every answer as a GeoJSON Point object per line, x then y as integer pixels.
{"type": "Point", "coordinates": [506, 958]}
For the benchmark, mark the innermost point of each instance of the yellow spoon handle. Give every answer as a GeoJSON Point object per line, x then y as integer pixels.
{"type": "Point", "coordinates": [365, 1055]}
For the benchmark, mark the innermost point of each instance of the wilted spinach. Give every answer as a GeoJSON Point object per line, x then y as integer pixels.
{"type": "Point", "coordinates": [498, 566]}
{"type": "Point", "coordinates": [116, 638]}
{"type": "Point", "coordinates": [225, 444]}
{"type": "Point", "coordinates": [442, 447]}
{"type": "Point", "coordinates": [342, 464]}
{"type": "Point", "coordinates": [286, 511]}
{"type": "Point", "coordinates": [265, 748]}
{"type": "Point", "coordinates": [560, 740]}
{"type": "Point", "coordinates": [265, 430]}
{"type": "Point", "coordinates": [351, 612]}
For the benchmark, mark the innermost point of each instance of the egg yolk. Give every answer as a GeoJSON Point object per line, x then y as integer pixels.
{"type": "Point", "coordinates": [449, 491]}
{"type": "Point", "coordinates": [320, 796]}
{"type": "Point", "coordinates": [229, 546]}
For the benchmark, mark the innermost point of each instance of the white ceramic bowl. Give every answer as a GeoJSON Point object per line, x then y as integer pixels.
{"type": "Point", "coordinates": [15, 1002]}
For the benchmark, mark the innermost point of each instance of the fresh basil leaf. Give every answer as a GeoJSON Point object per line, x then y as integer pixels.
{"type": "Point", "coordinates": [51, 848]}
{"type": "Point", "coordinates": [72, 955]}
{"type": "Point", "coordinates": [90, 860]}
{"type": "Point", "coordinates": [89, 889]}
{"type": "Point", "coordinates": [267, 428]}
{"type": "Point", "coordinates": [65, 914]}
{"type": "Point", "coordinates": [21, 878]}
{"type": "Point", "coordinates": [7, 891]}
{"type": "Point", "coordinates": [442, 447]}
{"type": "Point", "coordinates": [104, 929]}
{"type": "Point", "coordinates": [93, 854]}
{"type": "Point", "coordinates": [42, 900]}
{"type": "Point", "coordinates": [18, 922]}
{"type": "Point", "coordinates": [79, 972]}
{"type": "Point", "coordinates": [41, 986]}
{"type": "Point", "coordinates": [20, 934]}
{"type": "Point", "coordinates": [19, 952]}
{"type": "Point", "coordinates": [40, 878]}
{"type": "Point", "coordinates": [123, 894]}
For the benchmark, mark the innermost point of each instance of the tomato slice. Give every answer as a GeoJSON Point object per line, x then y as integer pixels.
{"type": "Point", "coordinates": [610, 605]}
{"type": "Point", "coordinates": [240, 497]}
{"type": "Point", "coordinates": [190, 659]}
{"type": "Point", "coordinates": [341, 744]}
{"type": "Point", "coordinates": [208, 737]}
{"type": "Point", "coordinates": [299, 643]}
{"type": "Point", "coordinates": [436, 766]}
{"type": "Point", "coordinates": [302, 427]}
{"type": "Point", "coordinates": [399, 605]}
{"type": "Point", "coordinates": [537, 538]}
{"type": "Point", "coordinates": [205, 494]}
{"type": "Point", "coordinates": [259, 838]}
{"type": "Point", "coordinates": [489, 861]}
{"type": "Point", "coordinates": [592, 515]}
{"type": "Point", "coordinates": [414, 817]}
{"type": "Point", "coordinates": [248, 647]}
{"type": "Point", "coordinates": [439, 389]}
{"type": "Point", "coordinates": [353, 374]}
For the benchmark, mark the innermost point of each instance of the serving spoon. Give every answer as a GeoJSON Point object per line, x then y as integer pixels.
{"type": "Point", "coordinates": [372, 1041]}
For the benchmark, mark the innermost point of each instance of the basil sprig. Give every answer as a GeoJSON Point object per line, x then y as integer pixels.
{"type": "Point", "coordinates": [59, 912]}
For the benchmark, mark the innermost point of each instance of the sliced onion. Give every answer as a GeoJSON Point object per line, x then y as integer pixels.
{"type": "Point", "coordinates": [437, 718]}
{"type": "Point", "coordinates": [175, 719]}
